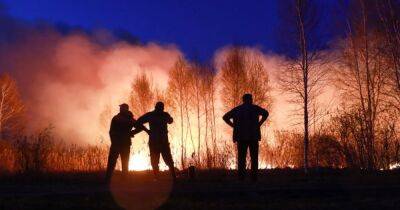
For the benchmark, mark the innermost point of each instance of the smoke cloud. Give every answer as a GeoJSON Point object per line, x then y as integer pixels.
{"type": "Point", "coordinates": [68, 77]}
{"type": "Point", "coordinates": [67, 80]}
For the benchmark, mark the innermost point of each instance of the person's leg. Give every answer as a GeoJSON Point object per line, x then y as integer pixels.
{"type": "Point", "coordinates": [125, 152]}
{"type": "Point", "coordinates": [254, 159]}
{"type": "Point", "coordinates": [112, 161]}
{"type": "Point", "coordinates": [167, 157]}
{"type": "Point", "coordinates": [242, 151]}
{"type": "Point", "coordinates": [154, 159]}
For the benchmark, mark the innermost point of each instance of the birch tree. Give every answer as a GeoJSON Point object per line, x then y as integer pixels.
{"type": "Point", "coordinates": [179, 94]}
{"type": "Point", "coordinates": [302, 74]}
{"type": "Point", "coordinates": [364, 75]}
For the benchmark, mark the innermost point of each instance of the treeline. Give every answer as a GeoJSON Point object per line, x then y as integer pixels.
{"type": "Point", "coordinates": [359, 131]}
{"type": "Point", "coordinates": [198, 95]}
{"type": "Point", "coordinates": [363, 68]}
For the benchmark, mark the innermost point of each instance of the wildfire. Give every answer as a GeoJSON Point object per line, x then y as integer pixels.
{"type": "Point", "coordinates": [261, 165]}
{"type": "Point", "coordinates": [394, 166]}
{"type": "Point", "coordinates": [141, 162]}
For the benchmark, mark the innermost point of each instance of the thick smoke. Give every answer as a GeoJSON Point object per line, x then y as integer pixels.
{"type": "Point", "coordinates": [67, 80]}
{"type": "Point", "coordinates": [68, 77]}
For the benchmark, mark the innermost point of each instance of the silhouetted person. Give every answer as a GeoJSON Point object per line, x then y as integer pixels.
{"type": "Point", "coordinates": [120, 135]}
{"type": "Point", "coordinates": [246, 122]}
{"type": "Point", "coordinates": [158, 137]}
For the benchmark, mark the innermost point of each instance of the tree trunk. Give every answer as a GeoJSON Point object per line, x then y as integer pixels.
{"type": "Point", "coordinates": [183, 156]}
{"type": "Point", "coordinates": [304, 67]}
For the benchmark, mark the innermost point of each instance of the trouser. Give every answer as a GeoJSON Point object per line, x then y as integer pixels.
{"type": "Point", "coordinates": [242, 147]}
{"type": "Point", "coordinates": [163, 149]}
{"type": "Point", "coordinates": [116, 151]}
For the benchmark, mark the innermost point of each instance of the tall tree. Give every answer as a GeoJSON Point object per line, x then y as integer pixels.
{"type": "Point", "coordinates": [301, 75]}
{"type": "Point", "coordinates": [389, 25]}
{"type": "Point", "coordinates": [258, 81]}
{"type": "Point", "coordinates": [179, 93]}
{"type": "Point", "coordinates": [196, 89]}
{"type": "Point", "coordinates": [233, 77]}
{"type": "Point", "coordinates": [208, 97]}
{"type": "Point", "coordinates": [364, 74]}
{"type": "Point", "coordinates": [243, 72]}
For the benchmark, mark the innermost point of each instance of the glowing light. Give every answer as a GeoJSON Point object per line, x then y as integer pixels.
{"type": "Point", "coordinates": [139, 162]}
{"type": "Point", "coordinates": [261, 164]}
{"type": "Point", "coordinates": [394, 166]}
{"type": "Point", "coordinates": [269, 166]}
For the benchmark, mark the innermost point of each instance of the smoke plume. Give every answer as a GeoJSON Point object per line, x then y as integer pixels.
{"type": "Point", "coordinates": [67, 80]}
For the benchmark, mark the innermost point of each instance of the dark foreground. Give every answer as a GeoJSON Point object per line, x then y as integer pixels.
{"type": "Point", "coordinates": [276, 189]}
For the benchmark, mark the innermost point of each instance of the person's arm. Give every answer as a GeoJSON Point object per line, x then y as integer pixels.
{"type": "Point", "coordinates": [228, 118]}
{"type": "Point", "coordinates": [264, 115]}
{"type": "Point", "coordinates": [138, 124]}
{"type": "Point", "coordinates": [139, 128]}
{"type": "Point", "coordinates": [170, 120]}
{"type": "Point", "coordinates": [112, 132]}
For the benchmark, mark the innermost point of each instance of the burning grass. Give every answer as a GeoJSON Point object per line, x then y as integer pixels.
{"type": "Point", "coordinates": [41, 153]}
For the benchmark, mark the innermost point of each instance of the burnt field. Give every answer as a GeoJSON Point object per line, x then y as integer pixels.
{"type": "Point", "coordinates": [216, 189]}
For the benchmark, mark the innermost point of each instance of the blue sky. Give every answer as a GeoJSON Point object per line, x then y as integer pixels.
{"type": "Point", "coordinates": [198, 28]}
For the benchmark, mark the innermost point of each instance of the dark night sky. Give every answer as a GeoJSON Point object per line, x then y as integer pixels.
{"type": "Point", "coordinates": [198, 28]}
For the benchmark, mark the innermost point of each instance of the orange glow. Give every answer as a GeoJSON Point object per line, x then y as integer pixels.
{"type": "Point", "coordinates": [141, 162]}
{"type": "Point", "coordinates": [394, 166]}
{"type": "Point", "coordinates": [261, 164]}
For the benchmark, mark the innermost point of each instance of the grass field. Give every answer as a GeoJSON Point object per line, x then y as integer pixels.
{"type": "Point", "coordinates": [217, 189]}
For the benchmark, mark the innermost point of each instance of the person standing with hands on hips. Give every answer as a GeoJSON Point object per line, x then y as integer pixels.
{"type": "Point", "coordinates": [245, 121]}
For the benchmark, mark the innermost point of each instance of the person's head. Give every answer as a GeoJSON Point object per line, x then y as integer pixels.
{"type": "Point", "coordinates": [247, 98]}
{"type": "Point", "coordinates": [124, 108]}
{"type": "Point", "coordinates": [159, 106]}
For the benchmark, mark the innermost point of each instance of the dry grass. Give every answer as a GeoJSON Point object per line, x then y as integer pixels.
{"type": "Point", "coordinates": [42, 153]}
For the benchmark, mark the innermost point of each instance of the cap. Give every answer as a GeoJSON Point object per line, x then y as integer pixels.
{"type": "Point", "coordinates": [124, 105]}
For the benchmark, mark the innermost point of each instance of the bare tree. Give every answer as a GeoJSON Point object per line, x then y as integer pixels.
{"type": "Point", "coordinates": [389, 17]}
{"type": "Point", "coordinates": [302, 74]}
{"type": "Point", "coordinates": [242, 72]}
{"type": "Point", "coordinates": [142, 95]}
{"type": "Point", "coordinates": [389, 22]}
{"type": "Point", "coordinates": [233, 77]}
{"type": "Point", "coordinates": [363, 76]}
{"type": "Point", "coordinates": [208, 97]}
{"type": "Point", "coordinates": [196, 89]}
{"type": "Point", "coordinates": [179, 93]}
{"type": "Point", "coordinates": [258, 81]}
{"type": "Point", "coordinates": [12, 108]}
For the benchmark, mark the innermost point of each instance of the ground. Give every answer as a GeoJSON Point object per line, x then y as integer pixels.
{"type": "Point", "coordinates": [217, 189]}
